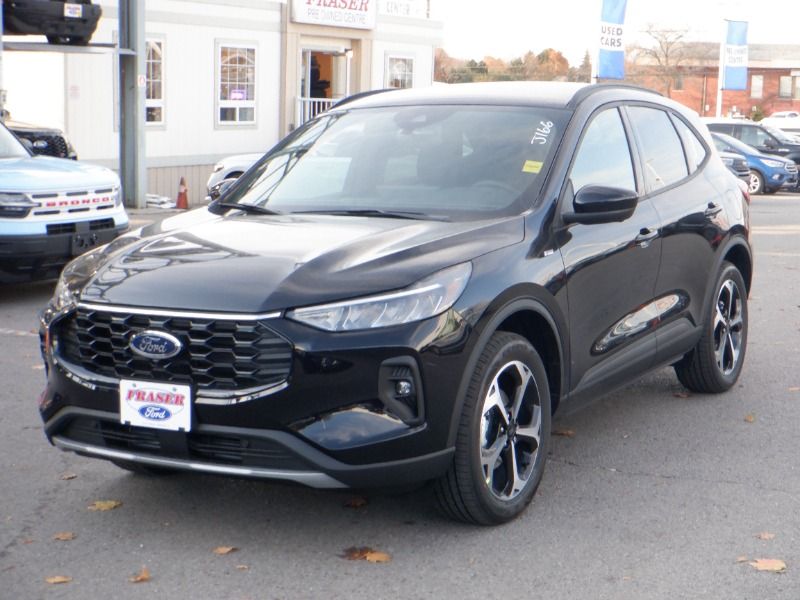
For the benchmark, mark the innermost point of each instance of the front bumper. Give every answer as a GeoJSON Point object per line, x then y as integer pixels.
{"type": "Point", "coordinates": [42, 256]}
{"type": "Point", "coordinates": [330, 424]}
{"type": "Point", "coordinates": [47, 18]}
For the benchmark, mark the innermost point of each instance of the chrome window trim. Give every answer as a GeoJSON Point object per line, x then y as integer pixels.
{"type": "Point", "coordinates": [136, 310]}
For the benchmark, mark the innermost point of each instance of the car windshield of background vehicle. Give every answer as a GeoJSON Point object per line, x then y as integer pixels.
{"type": "Point", "coordinates": [154, 92]}
{"type": "Point", "coordinates": [456, 162]}
{"type": "Point", "coordinates": [779, 133]}
{"type": "Point", "coordinates": [10, 146]}
{"type": "Point", "coordinates": [236, 84]}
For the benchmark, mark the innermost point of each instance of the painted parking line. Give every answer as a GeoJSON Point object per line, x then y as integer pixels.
{"type": "Point", "coordinates": [17, 333]}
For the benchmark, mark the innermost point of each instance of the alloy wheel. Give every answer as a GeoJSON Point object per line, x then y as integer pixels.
{"type": "Point", "coordinates": [510, 430]}
{"type": "Point", "coordinates": [728, 327]}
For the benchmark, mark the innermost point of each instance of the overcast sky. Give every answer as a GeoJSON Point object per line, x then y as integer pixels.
{"type": "Point", "coordinates": [509, 28]}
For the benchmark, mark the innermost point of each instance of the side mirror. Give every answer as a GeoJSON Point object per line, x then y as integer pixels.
{"type": "Point", "coordinates": [601, 204]}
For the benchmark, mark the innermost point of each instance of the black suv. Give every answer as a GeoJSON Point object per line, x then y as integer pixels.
{"type": "Point", "coordinates": [769, 140]}
{"type": "Point", "coordinates": [406, 289]}
{"type": "Point", "coordinates": [72, 22]}
{"type": "Point", "coordinates": [47, 141]}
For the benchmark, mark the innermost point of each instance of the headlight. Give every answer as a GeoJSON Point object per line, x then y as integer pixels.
{"type": "Point", "coordinates": [15, 206]}
{"type": "Point", "coordinates": [426, 298]}
{"type": "Point", "coordinates": [727, 161]}
{"type": "Point", "coordinates": [64, 297]}
{"type": "Point", "coordinates": [775, 164]}
{"type": "Point", "coordinates": [218, 167]}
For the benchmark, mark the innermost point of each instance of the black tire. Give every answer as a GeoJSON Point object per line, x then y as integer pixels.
{"type": "Point", "coordinates": [488, 434]}
{"type": "Point", "coordinates": [771, 190]}
{"type": "Point", "coordinates": [756, 182]}
{"type": "Point", "coordinates": [141, 469]}
{"type": "Point", "coordinates": [714, 365]}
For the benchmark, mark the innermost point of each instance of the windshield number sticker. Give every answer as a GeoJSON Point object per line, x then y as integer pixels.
{"type": "Point", "coordinates": [542, 133]}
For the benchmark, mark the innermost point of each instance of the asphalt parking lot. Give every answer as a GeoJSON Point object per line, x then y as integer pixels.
{"type": "Point", "coordinates": [649, 493]}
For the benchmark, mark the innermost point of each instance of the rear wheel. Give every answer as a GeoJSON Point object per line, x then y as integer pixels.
{"type": "Point", "coordinates": [714, 364]}
{"type": "Point", "coordinates": [502, 438]}
{"type": "Point", "coordinates": [756, 182]}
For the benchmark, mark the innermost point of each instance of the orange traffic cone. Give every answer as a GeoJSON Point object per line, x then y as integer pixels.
{"type": "Point", "coordinates": [183, 199]}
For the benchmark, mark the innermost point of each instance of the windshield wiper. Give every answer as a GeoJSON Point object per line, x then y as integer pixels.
{"type": "Point", "coordinates": [374, 212]}
{"type": "Point", "coordinates": [248, 208]}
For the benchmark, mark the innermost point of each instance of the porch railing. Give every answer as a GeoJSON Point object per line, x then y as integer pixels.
{"type": "Point", "coordinates": [308, 108]}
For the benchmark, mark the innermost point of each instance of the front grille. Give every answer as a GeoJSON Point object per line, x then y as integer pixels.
{"type": "Point", "coordinates": [222, 355]}
{"type": "Point", "coordinates": [791, 168]}
{"type": "Point", "coordinates": [199, 446]}
{"type": "Point", "coordinates": [95, 225]}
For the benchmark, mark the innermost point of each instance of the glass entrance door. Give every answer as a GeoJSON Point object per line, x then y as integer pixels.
{"type": "Point", "coordinates": [325, 78]}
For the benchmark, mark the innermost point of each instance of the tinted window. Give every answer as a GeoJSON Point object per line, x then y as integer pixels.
{"type": "Point", "coordinates": [604, 157]}
{"type": "Point", "coordinates": [460, 162]}
{"type": "Point", "coordinates": [663, 160]}
{"type": "Point", "coordinates": [695, 151]}
{"type": "Point", "coordinates": [754, 136]}
{"type": "Point", "coordinates": [721, 128]}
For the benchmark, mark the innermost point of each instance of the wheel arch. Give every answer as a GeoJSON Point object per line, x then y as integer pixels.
{"type": "Point", "coordinates": [531, 318]}
{"type": "Point", "coordinates": [740, 256]}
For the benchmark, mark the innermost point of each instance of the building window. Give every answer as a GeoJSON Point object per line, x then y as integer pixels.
{"type": "Point", "coordinates": [399, 72]}
{"type": "Point", "coordinates": [785, 86]}
{"type": "Point", "coordinates": [236, 84]}
{"type": "Point", "coordinates": [757, 86]}
{"type": "Point", "coordinates": [154, 93]}
{"type": "Point", "coordinates": [797, 88]}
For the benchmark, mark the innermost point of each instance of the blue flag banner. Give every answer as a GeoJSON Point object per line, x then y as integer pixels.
{"type": "Point", "coordinates": [611, 59]}
{"type": "Point", "coordinates": [734, 75]}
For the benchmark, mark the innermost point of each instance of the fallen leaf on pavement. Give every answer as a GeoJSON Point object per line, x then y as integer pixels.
{"type": "Point", "coordinates": [104, 505]}
{"type": "Point", "coordinates": [68, 476]}
{"type": "Point", "coordinates": [141, 576]}
{"type": "Point", "coordinates": [682, 395]}
{"type": "Point", "coordinates": [564, 432]}
{"type": "Point", "coordinates": [356, 502]}
{"type": "Point", "coordinates": [55, 579]}
{"type": "Point", "coordinates": [64, 536]}
{"type": "Point", "coordinates": [750, 418]}
{"type": "Point", "coordinates": [366, 553]}
{"type": "Point", "coordinates": [773, 565]}
{"type": "Point", "coordinates": [223, 550]}
{"type": "Point", "coordinates": [242, 568]}
{"type": "Point", "coordinates": [741, 559]}
{"type": "Point", "coordinates": [764, 535]}
{"type": "Point", "coordinates": [794, 389]}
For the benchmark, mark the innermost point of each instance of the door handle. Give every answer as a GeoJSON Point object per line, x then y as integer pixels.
{"type": "Point", "coordinates": [646, 235]}
{"type": "Point", "coordinates": [712, 209]}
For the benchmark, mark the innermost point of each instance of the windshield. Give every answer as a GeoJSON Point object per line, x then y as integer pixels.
{"type": "Point", "coordinates": [456, 162]}
{"type": "Point", "coordinates": [778, 133]}
{"type": "Point", "coordinates": [10, 146]}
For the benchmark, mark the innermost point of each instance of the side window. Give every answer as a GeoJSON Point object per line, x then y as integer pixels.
{"type": "Point", "coordinates": [663, 160]}
{"type": "Point", "coordinates": [754, 136]}
{"type": "Point", "coordinates": [604, 157]}
{"type": "Point", "coordinates": [695, 151]}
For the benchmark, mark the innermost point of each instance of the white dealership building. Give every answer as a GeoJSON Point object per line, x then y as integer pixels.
{"type": "Point", "coordinates": [223, 76]}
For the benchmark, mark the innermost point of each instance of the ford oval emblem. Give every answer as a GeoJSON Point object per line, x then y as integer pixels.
{"type": "Point", "coordinates": [155, 344]}
{"type": "Point", "coordinates": [155, 413]}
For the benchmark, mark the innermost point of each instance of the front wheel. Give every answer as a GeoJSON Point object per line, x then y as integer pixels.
{"type": "Point", "coordinates": [501, 445]}
{"type": "Point", "coordinates": [756, 182]}
{"type": "Point", "coordinates": [713, 366]}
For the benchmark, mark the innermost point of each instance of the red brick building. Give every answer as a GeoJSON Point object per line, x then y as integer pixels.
{"type": "Point", "coordinates": [773, 80]}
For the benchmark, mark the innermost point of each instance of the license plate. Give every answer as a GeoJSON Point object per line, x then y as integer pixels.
{"type": "Point", "coordinates": [73, 11]}
{"type": "Point", "coordinates": [81, 242]}
{"type": "Point", "coordinates": [157, 405]}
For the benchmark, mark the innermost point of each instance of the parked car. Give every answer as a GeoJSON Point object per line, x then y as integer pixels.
{"type": "Point", "coordinates": [768, 173]}
{"type": "Point", "coordinates": [406, 289]}
{"type": "Point", "coordinates": [786, 120]}
{"type": "Point", "coordinates": [48, 141]}
{"type": "Point", "coordinates": [51, 210]}
{"type": "Point", "coordinates": [230, 167]}
{"type": "Point", "coordinates": [763, 138]}
{"type": "Point", "coordinates": [737, 164]}
{"type": "Point", "coordinates": [61, 22]}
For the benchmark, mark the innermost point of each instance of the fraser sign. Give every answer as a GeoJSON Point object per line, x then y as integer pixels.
{"type": "Point", "coordinates": [359, 14]}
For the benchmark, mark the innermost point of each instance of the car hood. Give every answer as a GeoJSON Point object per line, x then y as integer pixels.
{"type": "Point", "coordinates": [34, 174]}
{"type": "Point", "coordinates": [255, 264]}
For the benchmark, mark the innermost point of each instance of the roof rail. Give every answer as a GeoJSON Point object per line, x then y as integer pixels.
{"type": "Point", "coordinates": [594, 88]}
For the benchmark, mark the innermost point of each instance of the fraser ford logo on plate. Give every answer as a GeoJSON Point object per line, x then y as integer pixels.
{"type": "Point", "coordinates": [155, 344]}
{"type": "Point", "coordinates": [154, 404]}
